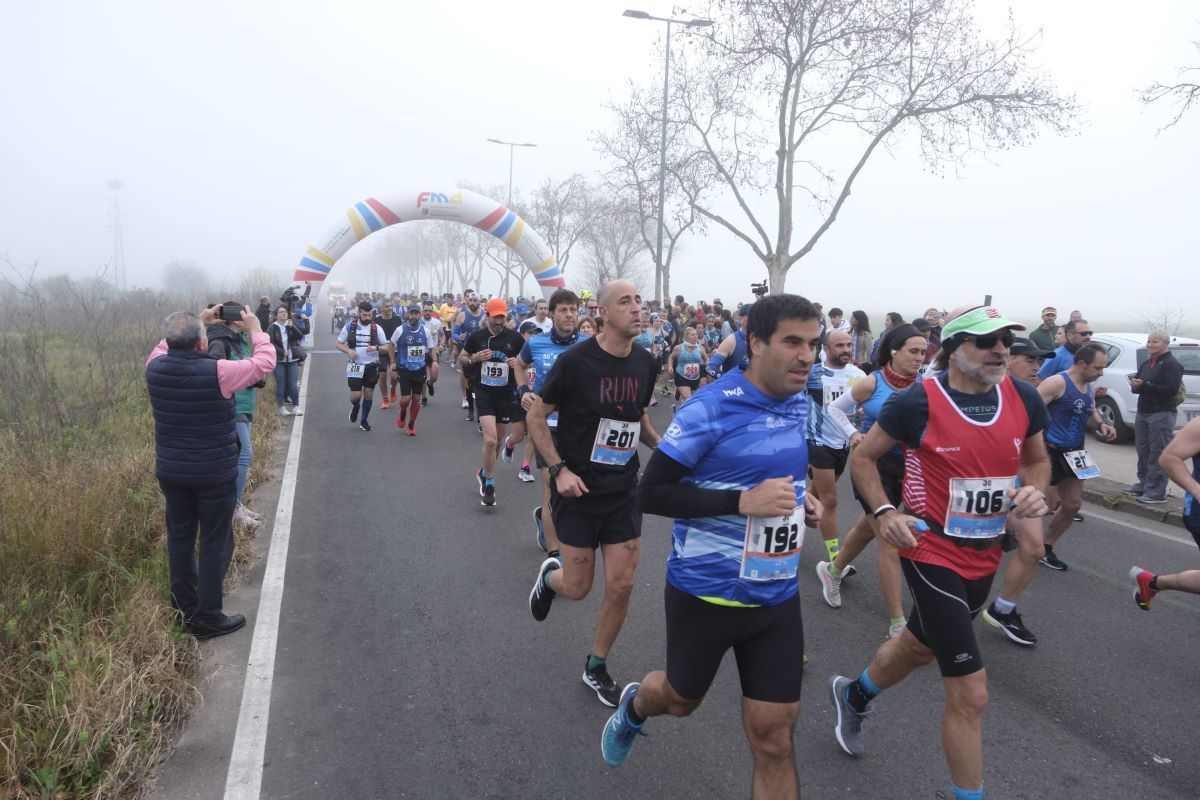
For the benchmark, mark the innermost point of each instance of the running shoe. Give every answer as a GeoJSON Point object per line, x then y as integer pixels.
{"type": "Point", "coordinates": [541, 595]}
{"type": "Point", "coordinates": [410, 431]}
{"type": "Point", "coordinates": [506, 455]}
{"type": "Point", "coordinates": [848, 730]}
{"type": "Point", "coordinates": [424, 402]}
{"type": "Point", "coordinates": [242, 516]}
{"type": "Point", "coordinates": [470, 415]}
{"type": "Point", "coordinates": [392, 396]}
{"type": "Point", "coordinates": [619, 732]}
{"type": "Point", "coordinates": [465, 404]}
{"type": "Point", "coordinates": [364, 426]}
{"type": "Point", "coordinates": [1133, 491]}
{"type": "Point", "coordinates": [604, 686]}
{"type": "Point", "coordinates": [1052, 561]}
{"type": "Point", "coordinates": [1077, 517]}
{"type": "Point", "coordinates": [525, 475]}
{"type": "Point", "coordinates": [1010, 624]}
{"type": "Point", "coordinates": [849, 572]}
{"type": "Point", "coordinates": [1142, 594]}
{"type": "Point", "coordinates": [430, 385]}
{"type": "Point", "coordinates": [283, 411]}
{"type": "Point", "coordinates": [297, 412]}
{"type": "Point", "coordinates": [385, 402]}
{"type": "Point", "coordinates": [354, 413]}
{"type": "Point", "coordinates": [481, 481]}
{"type": "Point", "coordinates": [831, 587]}
{"type": "Point", "coordinates": [896, 628]}
{"type": "Point", "coordinates": [541, 530]}
{"type": "Point", "coordinates": [400, 418]}
{"type": "Point", "coordinates": [489, 494]}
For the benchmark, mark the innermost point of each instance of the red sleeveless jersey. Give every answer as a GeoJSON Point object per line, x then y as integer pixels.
{"type": "Point", "coordinates": [959, 476]}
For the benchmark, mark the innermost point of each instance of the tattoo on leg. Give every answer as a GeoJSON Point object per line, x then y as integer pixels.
{"type": "Point", "coordinates": [581, 560]}
{"type": "Point", "coordinates": [631, 545]}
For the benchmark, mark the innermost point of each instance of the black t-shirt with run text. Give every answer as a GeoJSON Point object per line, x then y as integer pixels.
{"type": "Point", "coordinates": [504, 345]}
{"type": "Point", "coordinates": [600, 400]}
{"type": "Point", "coordinates": [906, 413]}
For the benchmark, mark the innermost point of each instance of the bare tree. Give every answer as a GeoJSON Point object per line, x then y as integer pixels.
{"type": "Point", "coordinates": [561, 212]}
{"type": "Point", "coordinates": [1166, 318]}
{"type": "Point", "coordinates": [632, 150]}
{"type": "Point", "coordinates": [1181, 94]}
{"type": "Point", "coordinates": [616, 248]}
{"type": "Point", "coordinates": [777, 83]}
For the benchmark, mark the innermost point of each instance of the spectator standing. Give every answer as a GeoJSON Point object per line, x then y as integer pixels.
{"type": "Point", "coordinates": [1076, 333]}
{"type": "Point", "coordinates": [285, 336]}
{"type": "Point", "coordinates": [860, 337]}
{"type": "Point", "coordinates": [196, 449]}
{"type": "Point", "coordinates": [1156, 383]}
{"type": "Point", "coordinates": [1043, 336]}
{"type": "Point", "coordinates": [263, 312]}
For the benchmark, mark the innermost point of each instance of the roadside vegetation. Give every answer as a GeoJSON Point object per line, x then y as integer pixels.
{"type": "Point", "coordinates": [95, 676]}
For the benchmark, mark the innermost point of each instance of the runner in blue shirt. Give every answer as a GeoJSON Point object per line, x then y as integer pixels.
{"type": "Point", "coordinates": [731, 470]}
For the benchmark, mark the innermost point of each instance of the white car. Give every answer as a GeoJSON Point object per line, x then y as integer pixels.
{"type": "Point", "coordinates": [1125, 352]}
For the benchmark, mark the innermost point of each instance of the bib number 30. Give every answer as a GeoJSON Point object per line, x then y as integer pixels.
{"type": "Point", "coordinates": [772, 548]}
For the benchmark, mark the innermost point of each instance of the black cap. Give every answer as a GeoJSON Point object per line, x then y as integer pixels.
{"type": "Point", "coordinates": [529, 325]}
{"type": "Point", "coordinates": [1024, 347]}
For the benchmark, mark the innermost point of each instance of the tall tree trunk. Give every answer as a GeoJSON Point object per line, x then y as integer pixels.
{"type": "Point", "coordinates": [776, 271]}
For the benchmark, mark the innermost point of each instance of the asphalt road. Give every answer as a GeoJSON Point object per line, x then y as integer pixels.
{"type": "Point", "coordinates": [408, 664]}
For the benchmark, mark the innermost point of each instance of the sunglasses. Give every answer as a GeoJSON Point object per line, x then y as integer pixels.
{"type": "Point", "coordinates": [1083, 333]}
{"type": "Point", "coordinates": [988, 340]}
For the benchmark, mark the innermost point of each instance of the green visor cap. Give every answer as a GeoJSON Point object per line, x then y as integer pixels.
{"type": "Point", "coordinates": [979, 321]}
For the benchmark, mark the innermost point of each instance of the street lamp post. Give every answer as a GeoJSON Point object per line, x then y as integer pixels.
{"type": "Point", "coordinates": [695, 22]}
{"type": "Point", "coordinates": [511, 147]}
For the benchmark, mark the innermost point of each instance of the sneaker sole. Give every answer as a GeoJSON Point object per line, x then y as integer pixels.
{"type": "Point", "coordinates": [837, 726]}
{"type": "Point", "coordinates": [588, 683]}
{"type": "Point", "coordinates": [995, 623]}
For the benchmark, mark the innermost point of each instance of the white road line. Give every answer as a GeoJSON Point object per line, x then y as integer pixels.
{"type": "Point", "coordinates": [1089, 511]}
{"type": "Point", "coordinates": [244, 780]}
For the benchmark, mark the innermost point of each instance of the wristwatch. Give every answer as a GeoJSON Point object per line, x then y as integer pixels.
{"type": "Point", "coordinates": [557, 468]}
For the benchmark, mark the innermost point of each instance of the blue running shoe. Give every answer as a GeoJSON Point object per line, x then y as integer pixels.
{"type": "Point", "coordinates": [619, 733]}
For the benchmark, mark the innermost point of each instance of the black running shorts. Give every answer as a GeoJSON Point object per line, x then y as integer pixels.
{"type": "Point", "coordinates": [592, 520]}
{"type": "Point", "coordinates": [681, 382]}
{"type": "Point", "coordinates": [822, 457]}
{"type": "Point", "coordinates": [891, 473]}
{"type": "Point", "coordinates": [944, 606]}
{"type": "Point", "coordinates": [410, 382]}
{"type": "Point", "coordinates": [1060, 468]}
{"type": "Point", "coordinates": [368, 380]}
{"type": "Point", "coordinates": [767, 641]}
{"type": "Point", "coordinates": [500, 406]}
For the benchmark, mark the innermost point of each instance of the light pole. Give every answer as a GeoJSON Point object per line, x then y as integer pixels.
{"type": "Point", "coordinates": [511, 146]}
{"type": "Point", "coordinates": [695, 22]}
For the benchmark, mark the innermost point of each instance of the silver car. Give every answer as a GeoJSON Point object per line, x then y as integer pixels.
{"type": "Point", "coordinates": [1125, 352]}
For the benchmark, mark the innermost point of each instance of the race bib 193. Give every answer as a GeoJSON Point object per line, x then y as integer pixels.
{"type": "Point", "coordinates": [616, 441]}
{"type": "Point", "coordinates": [978, 507]}
{"type": "Point", "coordinates": [493, 373]}
{"type": "Point", "coordinates": [772, 548]}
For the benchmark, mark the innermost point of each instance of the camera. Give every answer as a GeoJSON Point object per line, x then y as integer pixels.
{"type": "Point", "coordinates": [759, 288]}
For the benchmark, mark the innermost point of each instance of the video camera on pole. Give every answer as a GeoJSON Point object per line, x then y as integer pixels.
{"type": "Point", "coordinates": [759, 289]}
{"type": "Point", "coordinates": [289, 298]}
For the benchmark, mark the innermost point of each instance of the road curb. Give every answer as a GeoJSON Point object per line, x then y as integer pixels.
{"type": "Point", "coordinates": [1107, 493]}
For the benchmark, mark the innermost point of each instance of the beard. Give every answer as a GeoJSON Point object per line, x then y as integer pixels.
{"type": "Point", "coordinates": [977, 371]}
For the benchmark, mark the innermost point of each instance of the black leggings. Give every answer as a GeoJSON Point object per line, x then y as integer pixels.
{"type": "Point", "coordinates": [944, 607]}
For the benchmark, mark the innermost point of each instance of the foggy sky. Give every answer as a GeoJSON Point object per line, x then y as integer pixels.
{"type": "Point", "coordinates": [241, 131]}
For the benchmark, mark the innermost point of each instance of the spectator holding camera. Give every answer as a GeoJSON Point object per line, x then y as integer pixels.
{"type": "Point", "coordinates": [286, 338]}
{"type": "Point", "coordinates": [228, 340]}
{"type": "Point", "coordinates": [196, 457]}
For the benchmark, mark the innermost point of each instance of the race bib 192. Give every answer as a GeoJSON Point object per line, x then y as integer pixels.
{"type": "Point", "coordinates": [772, 548]}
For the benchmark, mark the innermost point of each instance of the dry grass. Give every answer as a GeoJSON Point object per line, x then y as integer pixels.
{"type": "Point", "coordinates": [94, 674]}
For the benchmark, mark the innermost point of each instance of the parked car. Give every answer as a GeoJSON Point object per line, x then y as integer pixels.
{"type": "Point", "coordinates": [1125, 351]}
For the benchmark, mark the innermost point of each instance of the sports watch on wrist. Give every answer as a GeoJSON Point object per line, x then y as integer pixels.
{"type": "Point", "coordinates": [557, 468]}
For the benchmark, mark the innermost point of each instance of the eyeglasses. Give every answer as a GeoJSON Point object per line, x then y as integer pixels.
{"type": "Point", "coordinates": [988, 340]}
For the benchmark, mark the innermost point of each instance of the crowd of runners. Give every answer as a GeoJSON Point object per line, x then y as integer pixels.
{"type": "Point", "coordinates": [964, 439]}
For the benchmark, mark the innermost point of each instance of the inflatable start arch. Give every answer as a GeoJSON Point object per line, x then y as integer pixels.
{"type": "Point", "coordinates": [456, 205]}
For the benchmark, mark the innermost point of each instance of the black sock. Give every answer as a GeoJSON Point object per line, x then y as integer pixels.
{"type": "Point", "coordinates": [1154, 583]}
{"type": "Point", "coordinates": [859, 694]}
{"type": "Point", "coordinates": [634, 717]}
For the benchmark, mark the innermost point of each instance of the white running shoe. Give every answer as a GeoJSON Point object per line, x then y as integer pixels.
{"type": "Point", "coordinates": [831, 587]}
{"type": "Point", "coordinates": [284, 412]}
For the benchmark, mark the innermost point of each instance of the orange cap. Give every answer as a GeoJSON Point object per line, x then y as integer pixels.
{"type": "Point", "coordinates": [497, 308]}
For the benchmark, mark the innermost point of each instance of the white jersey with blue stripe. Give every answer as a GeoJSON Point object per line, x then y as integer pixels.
{"type": "Point", "coordinates": [733, 436]}
{"type": "Point", "coordinates": [826, 385]}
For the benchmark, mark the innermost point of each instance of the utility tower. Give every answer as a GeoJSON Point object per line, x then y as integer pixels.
{"type": "Point", "coordinates": [118, 260]}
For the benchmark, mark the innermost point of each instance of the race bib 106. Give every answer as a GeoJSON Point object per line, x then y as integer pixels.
{"type": "Point", "coordinates": [978, 507]}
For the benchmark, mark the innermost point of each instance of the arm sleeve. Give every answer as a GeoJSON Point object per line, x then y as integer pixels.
{"type": "Point", "coordinates": [235, 375]}
{"type": "Point", "coordinates": [837, 412]}
{"type": "Point", "coordinates": [714, 364]}
{"type": "Point", "coordinates": [662, 492]}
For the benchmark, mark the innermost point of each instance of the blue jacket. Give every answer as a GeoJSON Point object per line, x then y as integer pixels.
{"type": "Point", "coordinates": [195, 442]}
